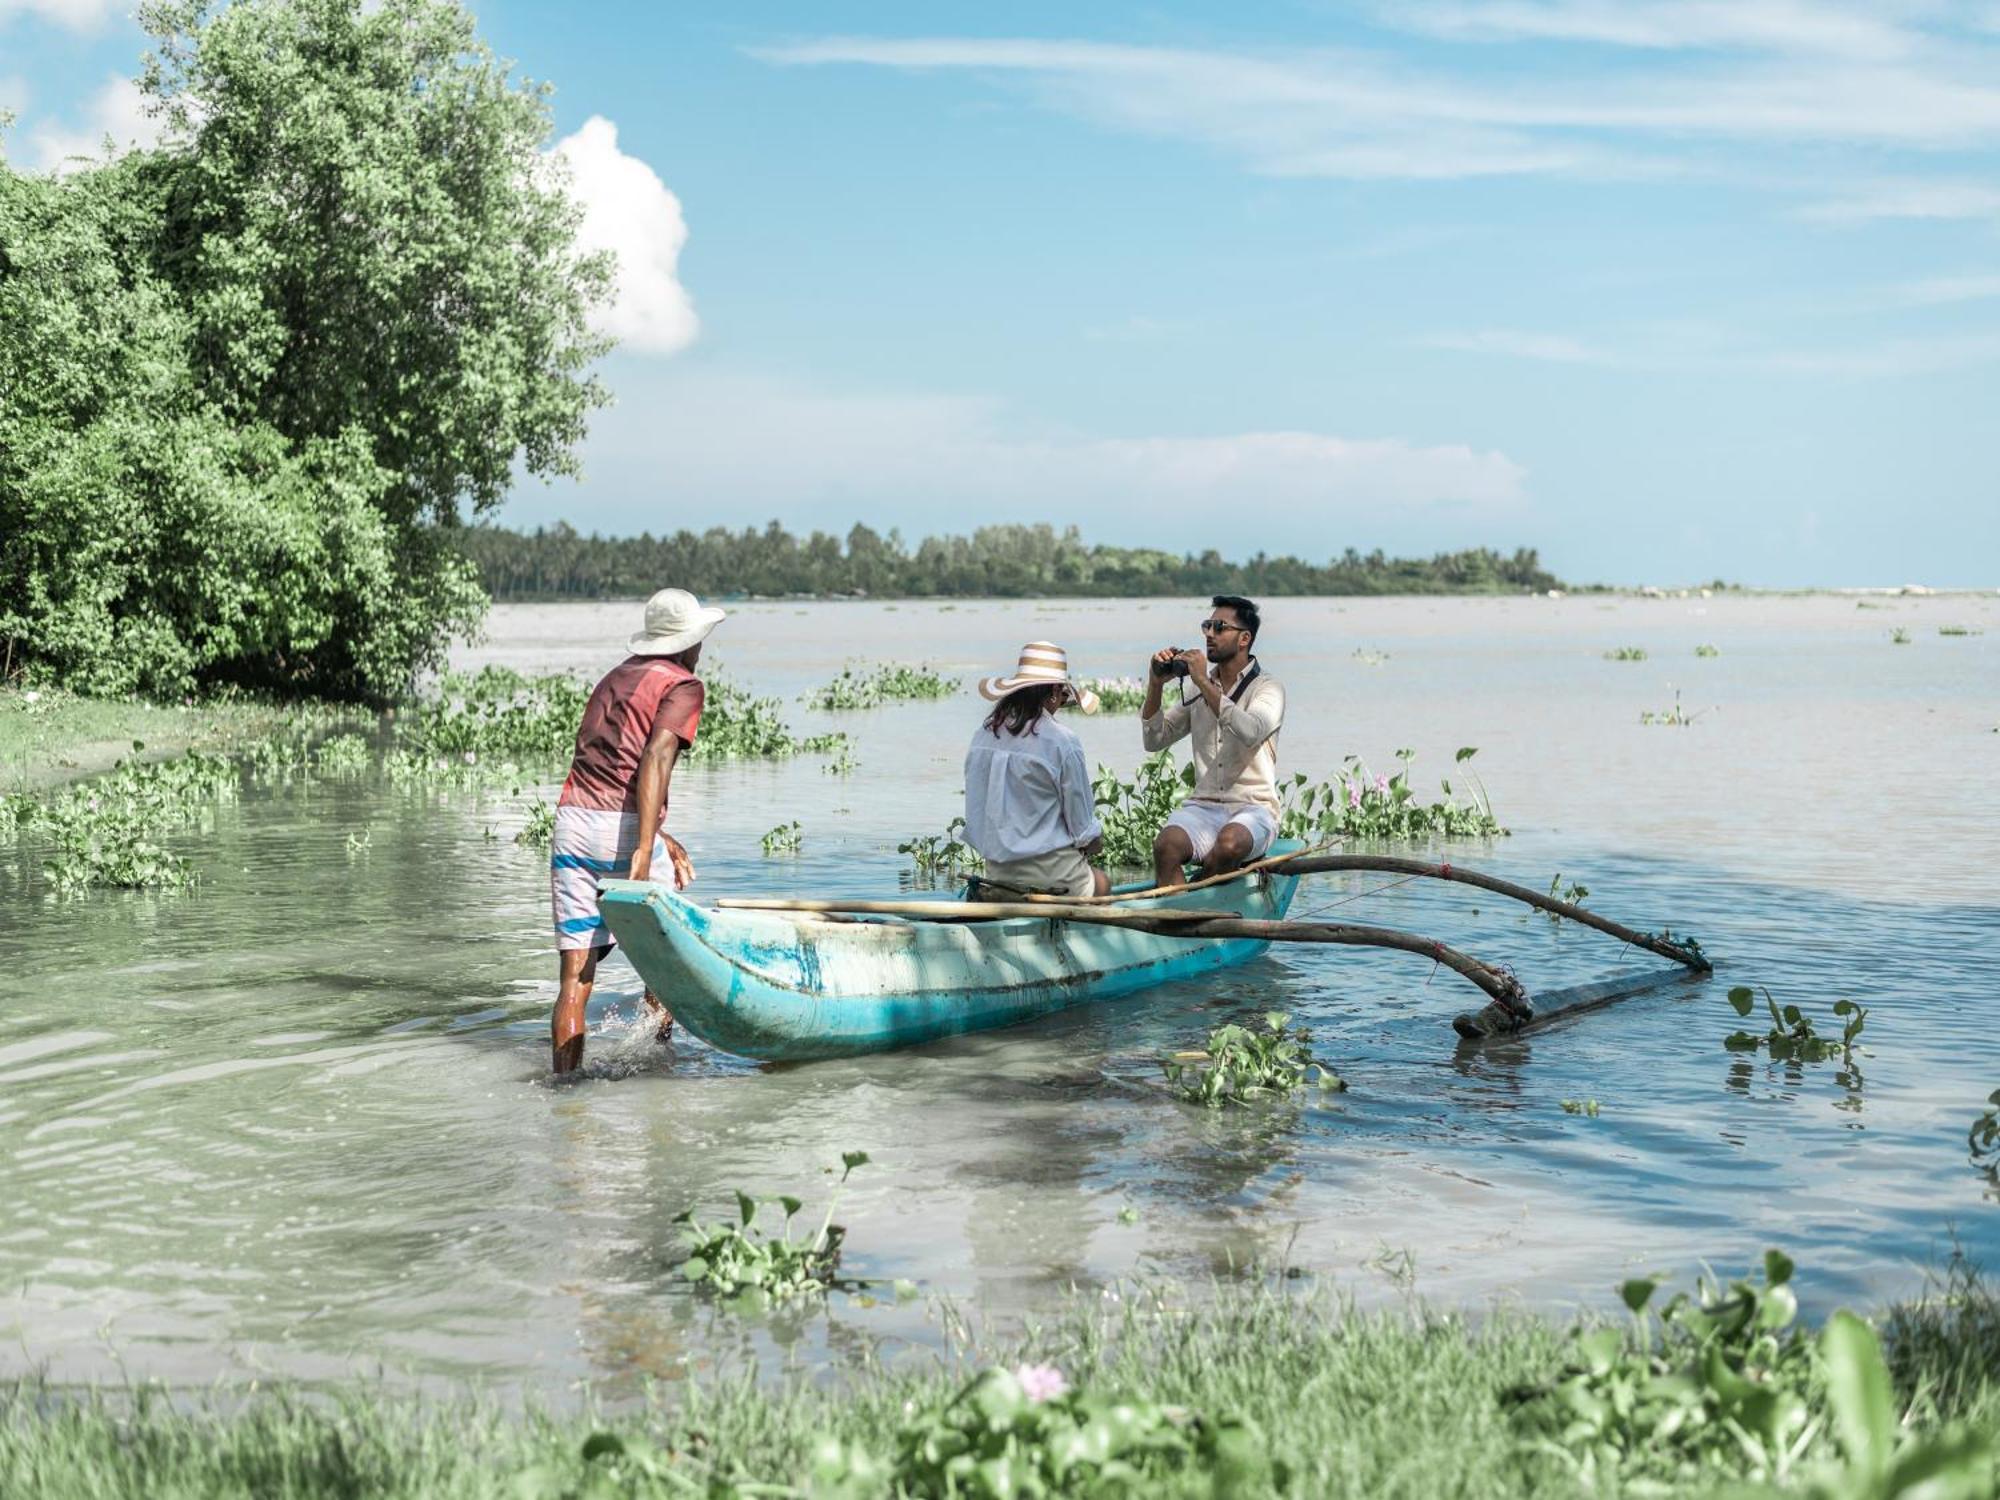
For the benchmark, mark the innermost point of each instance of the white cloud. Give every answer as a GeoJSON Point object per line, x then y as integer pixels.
{"type": "Point", "coordinates": [1692, 354]}
{"type": "Point", "coordinates": [630, 212]}
{"type": "Point", "coordinates": [691, 447]}
{"type": "Point", "coordinates": [1793, 76]}
{"type": "Point", "coordinates": [117, 110]}
{"type": "Point", "coordinates": [1942, 291]}
{"type": "Point", "coordinates": [1755, 25]}
{"type": "Point", "coordinates": [77, 15]}
{"type": "Point", "coordinates": [1934, 198]}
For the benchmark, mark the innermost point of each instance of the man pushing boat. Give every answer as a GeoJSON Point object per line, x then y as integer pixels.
{"type": "Point", "coordinates": [611, 817]}
{"type": "Point", "coordinates": [1231, 710]}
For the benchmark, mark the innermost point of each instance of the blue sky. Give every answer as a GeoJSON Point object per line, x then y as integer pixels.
{"type": "Point", "coordinates": [1672, 291]}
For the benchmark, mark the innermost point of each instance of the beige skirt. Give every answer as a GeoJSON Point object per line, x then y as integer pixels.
{"type": "Point", "coordinates": [1060, 872]}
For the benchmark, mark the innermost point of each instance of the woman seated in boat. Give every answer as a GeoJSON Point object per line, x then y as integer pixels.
{"type": "Point", "coordinates": [1028, 806]}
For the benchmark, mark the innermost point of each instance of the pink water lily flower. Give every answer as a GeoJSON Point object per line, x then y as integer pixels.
{"type": "Point", "coordinates": [1041, 1382]}
{"type": "Point", "coordinates": [1354, 794]}
{"type": "Point", "coordinates": [1382, 785]}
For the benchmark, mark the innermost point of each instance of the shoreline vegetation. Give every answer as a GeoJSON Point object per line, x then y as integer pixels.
{"type": "Point", "coordinates": [1256, 1387]}
{"type": "Point", "coordinates": [995, 562]}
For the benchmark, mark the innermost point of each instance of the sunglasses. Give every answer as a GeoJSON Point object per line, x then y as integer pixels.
{"type": "Point", "coordinates": [1216, 627]}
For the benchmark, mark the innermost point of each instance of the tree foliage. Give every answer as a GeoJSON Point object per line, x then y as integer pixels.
{"type": "Point", "coordinates": [995, 561]}
{"type": "Point", "coordinates": [249, 380]}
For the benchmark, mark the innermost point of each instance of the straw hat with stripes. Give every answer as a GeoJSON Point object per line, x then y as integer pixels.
{"type": "Point", "coordinates": [1042, 663]}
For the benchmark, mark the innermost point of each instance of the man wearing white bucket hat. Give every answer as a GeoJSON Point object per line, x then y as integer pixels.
{"type": "Point", "coordinates": [611, 816]}
{"type": "Point", "coordinates": [1028, 805]}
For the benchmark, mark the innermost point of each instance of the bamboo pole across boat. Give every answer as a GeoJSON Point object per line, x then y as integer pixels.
{"type": "Point", "coordinates": [1500, 986]}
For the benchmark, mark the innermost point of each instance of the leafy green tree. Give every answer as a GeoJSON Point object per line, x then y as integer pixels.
{"type": "Point", "coordinates": [252, 382]}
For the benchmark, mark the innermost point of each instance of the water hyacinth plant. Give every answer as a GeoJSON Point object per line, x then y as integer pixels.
{"type": "Point", "coordinates": [1134, 811]}
{"type": "Point", "coordinates": [1626, 653]}
{"type": "Point", "coordinates": [105, 832]}
{"type": "Point", "coordinates": [1361, 804]}
{"type": "Point", "coordinates": [728, 1260]}
{"type": "Point", "coordinates": [1117, 695]}
{"type": "Point", "coordinates": [1708, 651]}
{"type": "Point", "coordinates": [871, 688]}
{"type": "Point", "coordinates": [786, 838]}
{"type": "Point", "coordinates": [539, 831]}
{"type": "Point", "coordinates": [1241, 1065]}
{"type": "Point", "coordinates": [1792, 1037]}
{"type": "Point", "coordinates": [942, 854]}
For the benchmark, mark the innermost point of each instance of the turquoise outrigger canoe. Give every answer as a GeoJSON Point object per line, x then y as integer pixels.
{"type": "Point", "coordinates": [793, 986]}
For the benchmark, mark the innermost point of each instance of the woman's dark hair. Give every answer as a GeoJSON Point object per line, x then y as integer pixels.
{"type": "Point", "coordinates": [1023, 708]}
{"type": "Point", "coordinates": [1246, 611]}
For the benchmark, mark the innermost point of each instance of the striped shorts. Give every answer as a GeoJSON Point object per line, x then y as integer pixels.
{"type": "Point", "coordinates": [590, 845]}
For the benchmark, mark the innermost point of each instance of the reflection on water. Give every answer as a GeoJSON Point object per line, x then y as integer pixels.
{"type": "Point", "coordinates": [299, 1122]}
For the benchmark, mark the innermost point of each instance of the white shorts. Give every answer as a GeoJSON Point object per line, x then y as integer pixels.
{"type": "Point", "coordinates": [589, 846]}
{"type": "Point", "coordinates": [1202, 822]}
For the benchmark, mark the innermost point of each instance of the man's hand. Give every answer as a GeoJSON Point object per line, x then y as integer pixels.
{"type": "Point", "coordinates": [1157, 663]}
{"type": "Point", "coordinates": [1197, 664]}
{"type": "Point", "coordinates": [1092, 849]}
{"type": "Point", "coordinates": [683, 866]}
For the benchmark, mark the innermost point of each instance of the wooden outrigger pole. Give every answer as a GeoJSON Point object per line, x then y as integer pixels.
{"type": "Point", "coordinates": [1508, 1011]}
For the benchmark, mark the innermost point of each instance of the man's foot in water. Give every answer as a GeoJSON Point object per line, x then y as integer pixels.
{"type": "Point", "coordinates": [661, 1017]}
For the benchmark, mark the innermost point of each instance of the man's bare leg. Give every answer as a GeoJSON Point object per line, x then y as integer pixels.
{"type": "Point", "coordinates": [1171, 852]}
{"type": "Point", "coordinates": [577, 974]}
{"type": "Point", "coordinates": [1231, 851]}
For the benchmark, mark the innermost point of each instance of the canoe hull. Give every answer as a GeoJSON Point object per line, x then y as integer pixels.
{"type": "Point", "coordinates": [791, 987]}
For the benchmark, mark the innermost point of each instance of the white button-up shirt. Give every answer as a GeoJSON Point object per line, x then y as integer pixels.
{"type": "Point", "coordinates": [1028, 793]}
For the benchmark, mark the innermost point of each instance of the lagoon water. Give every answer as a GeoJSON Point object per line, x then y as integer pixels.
{"type": "Point", "coordinates": [299, 1123]}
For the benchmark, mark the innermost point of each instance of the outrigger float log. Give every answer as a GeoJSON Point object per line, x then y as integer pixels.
{"type": "Point", "coordinates": [790, 980]}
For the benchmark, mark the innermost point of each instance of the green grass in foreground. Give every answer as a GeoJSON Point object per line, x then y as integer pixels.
{"type": "Point", "coordinates": [1251, 1393]}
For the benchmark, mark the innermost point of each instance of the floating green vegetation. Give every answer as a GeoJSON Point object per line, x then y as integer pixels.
{"type": "Point", "coordinates": [1117, 695]}
{"type": "Point", "coordinates": [736, 724]}
{"type": "Point", "coordinates": [1626, 653]}
{"type": "Point", "coordinates": [729, 1260]}
{"type": "Point", "coordinates": [342, 755]}
{"type": "Point", "coordinates": [1870, 604]}
{"type": "Point", "coordinates": [1983, 1140]}
{"type": "Point", "coordinates": [1585, 1107]}
{"type": "Point", "coordinates": [1708, 651]}
{"type": "Point", "coordinates": [1676, 717]}
{"type": "Point", "coordinates": [871, 688]}
{"type": "Point", "coordinates": [943, 854]}
{"type": "Point", "coordinates": [1369, 658]}
{"type": "Point", "coordinates": [1362, 804]}
{"type": "Point", "coordinates": [841, 748]}
{"type": "Point", "coordinates": [1899, 637]}
{"type": "Point", "coordinates": [104, 832]}
{"type": "Point", "coordinates": [1960, 630]}
{"type": "Point", "coordinates": [1792, 1037]}
{"type": "Point", "coordinates": [1571, 894]}
{"type": "Point", "coordinates": [1133, 812]}
{"type": "Point", "coordinates": [1720, 1386]}
{"type": "Point", "coordinates": [786, 838]}
{"type": "Point", "coordinates": [1241, 1065]}
{"type": "Point", "coordinates": [539, 831]}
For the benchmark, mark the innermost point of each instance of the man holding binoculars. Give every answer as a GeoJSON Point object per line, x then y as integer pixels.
{"type": "Point", "coordinates": [1232, 712]}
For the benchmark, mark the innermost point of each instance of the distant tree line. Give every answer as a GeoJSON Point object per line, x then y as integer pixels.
{"type": "Point", "coordinates": [557, 562]}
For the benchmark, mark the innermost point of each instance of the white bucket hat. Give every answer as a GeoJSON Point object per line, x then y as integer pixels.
{"type": "Point", "coordinates": [675, 620]}
{"type": "Point", "coordinates": [1042, 663]}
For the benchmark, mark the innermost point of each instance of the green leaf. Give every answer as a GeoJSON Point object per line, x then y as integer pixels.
{"type": "Point", "coordinates": [1638, 1291]}
{"type": "Point", "coordinates": [852, 1159]}
{"type": "Point", "coordinates": [746, 1206]}
{"type": "Point", "coordinates": [790, 1204]}
{"type": "Point", "coordinates": [1465, 753]}
{"type": "Point", "coordinates": [603, 1445]}
{"type": "Point", "coordinates": [1778, 1267]}
{"type": "Point", "coordinates": [1742, 998]}
{"type": "Point", "coordinates": [1857, 1386]}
